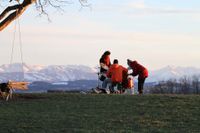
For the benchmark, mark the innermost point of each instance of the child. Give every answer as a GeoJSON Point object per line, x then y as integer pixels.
{"type": "Point", "coordinates": [130, 86]}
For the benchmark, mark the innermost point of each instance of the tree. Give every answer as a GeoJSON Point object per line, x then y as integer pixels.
{"type": "Point", "coordinates": [185, 84]}
{"type": "Point", "coordinates": [17, 8]}
{"type": "Point", "coordinates": [196, 83]}
{"type": "Point", "coordinates": [171, 86]}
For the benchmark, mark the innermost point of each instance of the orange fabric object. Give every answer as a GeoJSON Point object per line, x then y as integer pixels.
{"type": "Point", "coordinates": [130, 83]}
{"type": "Point", "coordinates": [116, 73]}
{"type": "Point", "coordinates": [107, 60]}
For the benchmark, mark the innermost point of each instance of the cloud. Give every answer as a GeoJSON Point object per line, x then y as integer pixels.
{"type": "Point", "coordinates": [137, 4]}
{"type": "Point", "coordinates": [150, 10]}
{"type": "Point", "coordinates": [99, 34]}
{"type": "Point", "coordinates": [195, 18]}
{"type": "Point", "coordinates": [81, 30]}
{"type": "Point", "coordinates": [141, 7]}
{"type": "Point", "coordinates": [55, 42]}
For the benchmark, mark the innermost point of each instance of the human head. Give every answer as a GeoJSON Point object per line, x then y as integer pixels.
{"type": "Point", "coordinates": [129, 61]}
{"type": "Point", "coordinates": [107, 53]}
{"type": "Point", "coordinates": [115, 61]}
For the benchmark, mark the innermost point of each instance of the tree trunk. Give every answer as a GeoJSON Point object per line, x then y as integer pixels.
{"type": "Point", "coordinates": [18, 11]}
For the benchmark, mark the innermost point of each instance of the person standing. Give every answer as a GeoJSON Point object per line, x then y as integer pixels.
{"type": "Point", "coordinates": [104, 65]}
{"type": "Point", "coordinates": [140, 71]}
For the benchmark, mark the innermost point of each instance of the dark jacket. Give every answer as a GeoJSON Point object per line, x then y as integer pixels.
{"type": "Point", "coordinates": [139, 70]}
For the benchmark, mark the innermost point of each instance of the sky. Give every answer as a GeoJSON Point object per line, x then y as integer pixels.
{"type": "Point", "coordinates": [156, 33]}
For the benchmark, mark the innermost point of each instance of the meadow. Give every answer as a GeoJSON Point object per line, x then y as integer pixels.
{"type": "Point", "coordinates": [74, 112]}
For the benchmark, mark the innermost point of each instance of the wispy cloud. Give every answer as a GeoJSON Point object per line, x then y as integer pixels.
{"type": "Point", "coordinates": [91, 33]}
{"type": "Point", "coordinates": [137, 4]}
{"type": "Point", "coordinates": [141, 7]}
{"type": "Point", "coordinates": [111, 27]}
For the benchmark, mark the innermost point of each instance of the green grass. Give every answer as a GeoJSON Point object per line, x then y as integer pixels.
{"type": "Point", "coordinates": [50, 113]}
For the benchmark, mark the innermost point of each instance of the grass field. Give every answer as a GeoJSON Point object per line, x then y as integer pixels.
{"type": "Point", "coordinates": [49, 113]}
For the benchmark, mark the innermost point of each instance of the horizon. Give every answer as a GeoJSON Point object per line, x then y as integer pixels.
{"type": "Point", "coordinates": [167, 66]}
{"type": "Point", "coordinates": [153, 33]}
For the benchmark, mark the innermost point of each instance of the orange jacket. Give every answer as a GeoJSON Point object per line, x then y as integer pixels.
{"type": "Point", "coordinates": [105, 59]}
{"type": "Point", "coordinates": [115, 72]}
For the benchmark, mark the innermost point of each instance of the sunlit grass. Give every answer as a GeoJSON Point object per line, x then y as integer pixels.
{"type": "Point", "coordinates": [100, 113]}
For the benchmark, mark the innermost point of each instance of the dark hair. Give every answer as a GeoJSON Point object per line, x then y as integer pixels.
{"type": "Point", "coordinates": [115, 61]}
{"type": "Point", "coordinates": [107, 53]}
{"type": "Point", "coordinates": [128, 60]}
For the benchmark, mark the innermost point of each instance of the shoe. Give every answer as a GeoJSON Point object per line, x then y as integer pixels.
{"type": "Point", "coordinates": [82, 92]}
{"type": "Point", "coordinates": [140, 93]}
{"type": "Point", "coordinates": [117, 92]}
{"type": "Point", "coordinates": [96, 90]}
{"type": "Point", "coordinates": [107, 91]}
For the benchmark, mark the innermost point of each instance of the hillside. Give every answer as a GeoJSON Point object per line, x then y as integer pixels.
{"type": "Point", "coordinates": [56, 113]}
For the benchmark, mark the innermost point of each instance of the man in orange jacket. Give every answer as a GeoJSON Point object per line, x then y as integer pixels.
{"type": "Point", "coordinates": [114, 74]}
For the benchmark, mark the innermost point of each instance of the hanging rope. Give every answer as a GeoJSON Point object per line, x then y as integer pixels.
{"type": "Point", "coordinates": [21, 51]}
{"type": "Point", "coordinates": [20, 44]}
{"type": "Point", "coordinates": [13, 42]}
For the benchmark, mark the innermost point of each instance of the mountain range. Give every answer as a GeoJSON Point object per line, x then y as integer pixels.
{"type": "Point", "coordinates": [172, 72]}
{"type": "Point", "coordinates": [56, 73]}
{"type": "Point", "coordinates": [52, 73]}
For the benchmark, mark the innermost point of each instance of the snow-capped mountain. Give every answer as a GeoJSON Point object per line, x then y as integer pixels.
{"type": "Point", "coordinates": [172, 72]}
{"type": "Point", "coordinates": [46, 73]}
{"type": "Point", "coordinates": [56, 73]}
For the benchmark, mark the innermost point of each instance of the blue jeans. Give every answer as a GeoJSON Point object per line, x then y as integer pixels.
{"type": "Point", "coordinates": [106, 82]}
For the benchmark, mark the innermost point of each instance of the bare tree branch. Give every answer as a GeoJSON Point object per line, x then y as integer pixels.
{"type": "Point", "coordinates": [18, 10]}
{"type": "Point", "coordinates": [84, 3]}
{"type": "Point", "coordinates": [13, 12]}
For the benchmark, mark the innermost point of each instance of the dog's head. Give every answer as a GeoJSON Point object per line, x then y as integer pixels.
{"type": "Point", "coordinates": [5, 91]}
{"type": "Point", "coordinates": [4, 87]}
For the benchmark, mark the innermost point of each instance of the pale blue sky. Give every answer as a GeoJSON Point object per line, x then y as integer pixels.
{"type": "Point", "coordinates": [154, 32]}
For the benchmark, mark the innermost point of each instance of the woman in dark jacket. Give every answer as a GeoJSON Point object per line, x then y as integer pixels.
{"type": "Point", "coordinates": [139, 70]}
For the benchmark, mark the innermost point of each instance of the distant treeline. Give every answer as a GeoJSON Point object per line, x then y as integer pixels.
{"type": "Point", "coordinates": [184, 85]}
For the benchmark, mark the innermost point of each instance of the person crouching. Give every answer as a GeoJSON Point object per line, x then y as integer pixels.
{"type": "Point", "coordinates": [115, 77]}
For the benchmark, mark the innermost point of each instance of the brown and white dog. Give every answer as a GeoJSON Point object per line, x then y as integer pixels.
{"type": "Point", "coordinates": [5, 91]}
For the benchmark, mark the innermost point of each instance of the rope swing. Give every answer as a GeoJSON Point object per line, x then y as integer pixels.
{"type": "Point", "coordinates": [17, 22]}
{"type": "Point", "coordinates": [6, 89]}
